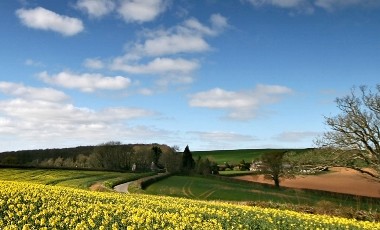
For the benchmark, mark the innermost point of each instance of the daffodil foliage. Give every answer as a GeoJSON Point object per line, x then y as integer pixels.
{"type": "Point", "coordinates": [35, 206]}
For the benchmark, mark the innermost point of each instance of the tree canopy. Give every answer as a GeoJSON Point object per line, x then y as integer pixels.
{"type": "Point", "coordinates": [275, 166]}
{"type": "Point", "coordinates": [355, 132]}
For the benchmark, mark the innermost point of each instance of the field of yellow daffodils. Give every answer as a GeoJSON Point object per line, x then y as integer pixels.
{"type": "Point", "coordinates": [36, 206]}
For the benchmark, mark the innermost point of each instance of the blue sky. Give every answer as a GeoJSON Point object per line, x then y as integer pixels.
{"type": "Point", "coordinates": [208, 74]}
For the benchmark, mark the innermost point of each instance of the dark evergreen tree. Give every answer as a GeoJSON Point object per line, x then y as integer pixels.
{"type": "Point", "coordinates": [188, 162]}
{"type": "Point", "coordinates": [156, 154]}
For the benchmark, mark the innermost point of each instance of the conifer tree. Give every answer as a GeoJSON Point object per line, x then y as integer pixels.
{"type": "Point", "coordinates": [188, 162]}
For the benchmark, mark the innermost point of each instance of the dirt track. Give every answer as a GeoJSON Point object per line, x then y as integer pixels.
{"type": "Point", "coordinates": [341, 180]}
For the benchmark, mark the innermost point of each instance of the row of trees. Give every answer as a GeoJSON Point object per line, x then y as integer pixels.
{"type": "Point", "coordinates": [200, 166]}
{"type": "Point", "coordinates": [109, 156]}
{"type": "Point", "coordinates": [113, 156]}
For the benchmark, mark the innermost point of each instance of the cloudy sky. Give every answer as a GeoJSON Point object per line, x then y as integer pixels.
{"type": "Point", "coordinates": [211, 74]}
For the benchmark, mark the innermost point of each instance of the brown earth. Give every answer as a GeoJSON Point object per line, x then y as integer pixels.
{"type": "Point", "coordinates": [340, 180]}
{"type": "Point", "coordinates": [99, 187]}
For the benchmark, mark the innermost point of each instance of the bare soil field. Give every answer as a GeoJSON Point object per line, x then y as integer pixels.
{"type": "Point", "coordinates": [340, 180]}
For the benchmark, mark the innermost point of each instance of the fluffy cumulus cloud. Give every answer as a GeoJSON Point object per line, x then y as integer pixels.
{"type": "Point", "coordinates": [241, 105]}
{"type": "Point", "coordinates": [97, 8]}
{"type": "Point", "coordinates": [87, 82]}
{"type": "Point", "coordinates": [154, 53]}
{"type": "Point", "coordinates": [157, 66]}
{"type": "Point", "coordinates": [172, 44]}
{"type": "Point", "coordinates": [21, 91]}
{"type": "Point", "coordinates": [43, 19]}
{"type": "Point", "coordinates": [39, 119]}
{"type": "Point", "coordinates": [44, 115]}
{"type": "Point", "coordinates": [188, 37]}
{"type": "Point", "coordinates": [130, 11]}
{"type": "Point", "coordinates": [141, 10]}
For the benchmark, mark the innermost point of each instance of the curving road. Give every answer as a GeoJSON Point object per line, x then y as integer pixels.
{"type": "Point", "coordinates": [122, 187]}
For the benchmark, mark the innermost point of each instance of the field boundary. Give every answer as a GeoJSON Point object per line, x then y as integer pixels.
{"type": "Point", "coordinates": [146, 181]}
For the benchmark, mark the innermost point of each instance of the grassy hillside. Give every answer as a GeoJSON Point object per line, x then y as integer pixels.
{"type": "Point", "coordinates": [212, 188]}
{"type": "Point", "coordinates": [235, 156]}
{"type": "Point", "coordinates": [68, 178]}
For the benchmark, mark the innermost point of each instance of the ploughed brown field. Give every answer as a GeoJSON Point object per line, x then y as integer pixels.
{"type": "Point", "coordinates": [340, 180]}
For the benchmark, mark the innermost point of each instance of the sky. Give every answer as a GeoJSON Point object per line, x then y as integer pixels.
{"type": "Point", "coordinates": [231, 74]}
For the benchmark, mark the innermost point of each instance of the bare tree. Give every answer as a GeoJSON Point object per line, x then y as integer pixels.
{"type": "Point", "coordinates": [355, 132]}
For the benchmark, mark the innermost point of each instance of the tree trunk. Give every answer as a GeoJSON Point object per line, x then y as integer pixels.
{"type": "Point", "coordinates": [276, 182]}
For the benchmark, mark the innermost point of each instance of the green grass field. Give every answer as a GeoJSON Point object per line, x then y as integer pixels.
{"type": "Point", "coordinates": [68, 178]}
{"type": "Point", "coordinates": [235, 156]}
{"type": "Point", "coordinates": [203, 188]}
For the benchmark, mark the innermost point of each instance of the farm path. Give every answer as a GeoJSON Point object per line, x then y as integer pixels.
{"type": "Point", "coordinates": [122, 187]}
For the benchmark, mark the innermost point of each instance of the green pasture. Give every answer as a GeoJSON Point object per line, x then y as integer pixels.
{"type": "Point", "coordinates": [214, 188]}
{"type": "Point", "coordinates": [235, 156]}
{"type": "Point", "coordinates": [68, 178]}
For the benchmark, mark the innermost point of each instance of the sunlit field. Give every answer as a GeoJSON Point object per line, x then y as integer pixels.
{"type": "Point", "coordinates": [208, 188]}
{"type": "Point", "coordinates": [35, 206]}
{"type": "Point", "coordinates": [69, 178]}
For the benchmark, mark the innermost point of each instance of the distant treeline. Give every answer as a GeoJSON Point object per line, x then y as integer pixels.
{"type": "Point", "coordinates": [107, 156]}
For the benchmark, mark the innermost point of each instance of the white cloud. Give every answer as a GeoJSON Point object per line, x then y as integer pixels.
{"type": "Point", "coordinates": [38, 119]}
{"type": "Point", "coordinates": [188, 37]}
{"type": "Point", "coordinates": [196, 27]}
{"type": "Point", "coordinates": [146, 91]}
{"type": "Point", "coordinates": [241, 105]}
{"type": "Point", "coordinates": [157, 66]}
{"type": "Point", "coordinates": [43, 115]}
{"type": "Point", "coordinates": [308, 6]}
{"type": "Point", "coordinates": [300, 6]}
{"type": "Point", "coordinates": [141, 10]}
{"type": "Point", "coordinates": [174, 79]}
{"type": "Point", "coordinates": [331, 5]}
{"type": "Point", "coordinates": [278, 3]}
{"type": "Point", "coordinates": [41, 18]}
{"type": "Point", "coordinates": [173, 44]}
{"type": "Point", "coordinates": [93, 63]}
{"type": "Point", "coordinates": [219, 22]}
{"type": "Point", "coordinates": [221, 136]}
{"type": "Point", "coordinates": [222, 140]}
{"type": "Point", "coordinates": [87, 82]}
{"type": "Point", "coordinates": [19, 90]}
{"type": "Point", "coordinates": [97, 8]}
{"type": "Point", "coordinates": [296, 136]}
{"type": "Point", "coordinates": [153, 53]}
